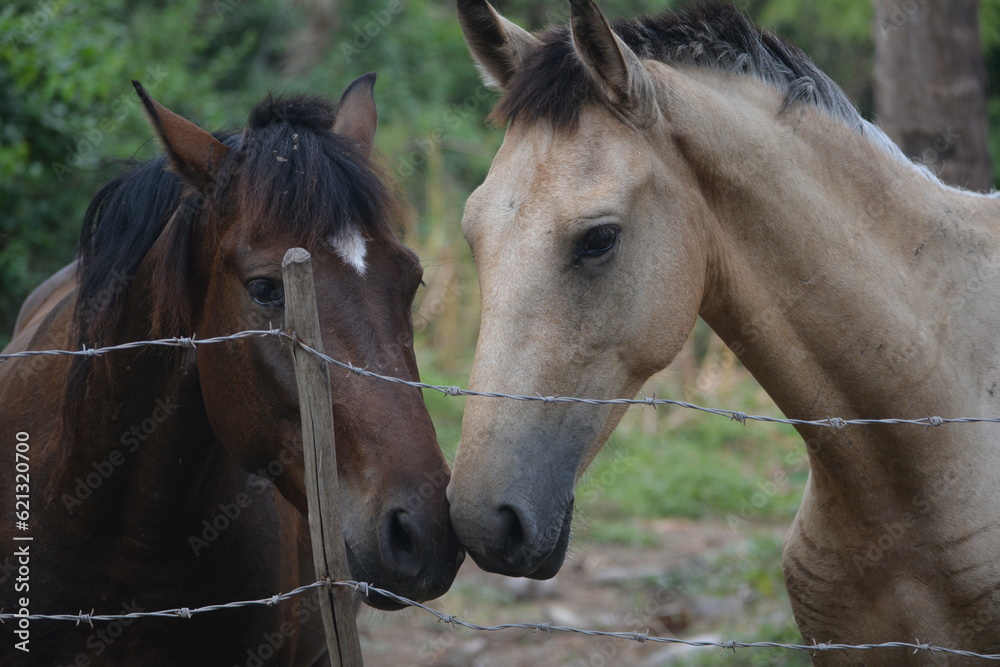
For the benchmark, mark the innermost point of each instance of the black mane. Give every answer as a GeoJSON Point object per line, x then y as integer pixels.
{"type": "Point", "coordinates": [553, 85]}
{"type": "Point", "coordinates": [289, 174]}
{"type": "Point", "coordinates": [298, 175]}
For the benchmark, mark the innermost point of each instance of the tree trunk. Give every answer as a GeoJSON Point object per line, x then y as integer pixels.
{"type": "Point", "coordinates": [930, 86]}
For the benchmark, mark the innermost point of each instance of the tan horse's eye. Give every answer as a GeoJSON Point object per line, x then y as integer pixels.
{"type": "Point", "coordinates": [598, 241]}
{"type": "Point", "coordinates": [266, 292]}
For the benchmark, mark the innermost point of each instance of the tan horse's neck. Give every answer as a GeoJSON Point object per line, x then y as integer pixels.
{"type": "Point", "coordinates": [851, 285]}
{"type": "Point", "coordinates": [830, 257]}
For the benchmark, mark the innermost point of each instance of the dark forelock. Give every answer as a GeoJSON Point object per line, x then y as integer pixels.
{"type": "Point", "coordinates": [554, 86]}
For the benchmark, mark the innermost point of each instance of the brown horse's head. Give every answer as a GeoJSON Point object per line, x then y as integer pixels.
{"type": "Point", "coordinates": [300, 174]}
{"type": "Point", "coordinates": [592, 265]}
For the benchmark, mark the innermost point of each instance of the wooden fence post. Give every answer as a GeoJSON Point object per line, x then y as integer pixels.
{"type": "Point", "coordinates": [313, 379]}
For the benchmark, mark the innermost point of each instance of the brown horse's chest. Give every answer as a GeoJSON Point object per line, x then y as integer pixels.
{"type": "Point", "coordinates": [240, 558]}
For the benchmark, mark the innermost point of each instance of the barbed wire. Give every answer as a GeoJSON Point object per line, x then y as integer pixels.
{"type": "Point", "coordinates": [736, 415]}
{"type": "Point", "coordinates": [366, 589]}
{"type": "Point", "coordinates": [453, 390]}
{"type": "Point", "coordinates": [179, 612]}
{"type": "Point", "coordinates": [644, 637]}
{"type": "Point", "coordinates": [189, 342]}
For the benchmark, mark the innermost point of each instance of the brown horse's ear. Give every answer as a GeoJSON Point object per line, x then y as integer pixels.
{"type": "Point", "coordinates": [611, 64]}
{"type": "Point", "coordinates": [357, 117]}
{"type": "Point", "coordinates": [498, 46]}
{"type": "Point", "coordinates": [194, 153]}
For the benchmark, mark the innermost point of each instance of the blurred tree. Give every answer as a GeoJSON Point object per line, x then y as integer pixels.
{"type": "Point", "coordinates": [66, 106]}
{"type": "Point", "coordinates": [313, 39]}
{"type": "Point", "coordinates": [67, 109]}
{"type": "Point", "coordinates": [930, 86]}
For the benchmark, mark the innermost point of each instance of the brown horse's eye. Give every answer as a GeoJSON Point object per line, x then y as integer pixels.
{"type": "Point", "coordinates": [598, 241]}
{"type": "Point", "coordinates": [266, 292]}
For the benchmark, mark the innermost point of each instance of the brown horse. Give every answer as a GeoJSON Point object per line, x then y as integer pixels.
{"type": "Point", "coordinates": [164, 478]}
{"type": "Point", "coordinates": [694, 164]}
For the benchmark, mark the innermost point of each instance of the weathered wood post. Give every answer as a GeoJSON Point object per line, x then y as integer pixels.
{"type": "Point", "coordinates": [315, 404]}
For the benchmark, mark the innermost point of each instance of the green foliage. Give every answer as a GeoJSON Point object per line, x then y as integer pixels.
{"type": "Point", "coordinates": [68, 107]}
{"type": "Point", "coordinates": [989, 25]}
{"type": "Point", "coordinates": [989, 28]}
{"type": "Point", "coordinates": [705, 467]}
{"type": "Point", "coordinates": [432, 133]}
{"type": "Point", "coordinates": [756, 564]}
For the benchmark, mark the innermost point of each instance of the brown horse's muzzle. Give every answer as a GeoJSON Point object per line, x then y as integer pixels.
{"type": "Point", "coordinates": [413, 552]}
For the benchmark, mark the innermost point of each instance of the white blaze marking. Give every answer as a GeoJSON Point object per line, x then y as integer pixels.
{"type": "Point", "coordinates": [351, 246]}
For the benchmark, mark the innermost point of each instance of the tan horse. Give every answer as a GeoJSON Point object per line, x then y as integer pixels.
{"type": "Point", "coordinates": [693, 164]}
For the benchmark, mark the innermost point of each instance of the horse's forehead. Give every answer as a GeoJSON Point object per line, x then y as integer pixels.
{"type": "Point", "coordinates": [554, 174]}
{"type": "Point", "coordinates": [352, 247]}
{"type": "Point", "coordinates": [349, 244]}
{"type": "Point", "coordinates": [599, 148]}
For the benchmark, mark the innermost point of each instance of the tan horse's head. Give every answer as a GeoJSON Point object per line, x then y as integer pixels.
{"type": "Point", "coordinates": [588, 237]}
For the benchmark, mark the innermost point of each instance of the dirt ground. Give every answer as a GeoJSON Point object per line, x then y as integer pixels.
{"type": "Point", "coordinates": [608, 587]}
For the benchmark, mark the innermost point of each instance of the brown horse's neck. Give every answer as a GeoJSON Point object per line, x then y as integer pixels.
{"type": "Point", "coordinates": [848, 283]}
{"type": "Point", "coordinates": [145, 459]}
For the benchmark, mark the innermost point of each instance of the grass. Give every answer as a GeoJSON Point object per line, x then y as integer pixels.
{"type": "Point", "coordinates": [754, 564]}
{"type": "Point", "coordinates": [687, 464]}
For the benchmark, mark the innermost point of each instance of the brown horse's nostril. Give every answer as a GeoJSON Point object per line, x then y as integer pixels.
{"type": "Point", "coordinates": [401, 540]}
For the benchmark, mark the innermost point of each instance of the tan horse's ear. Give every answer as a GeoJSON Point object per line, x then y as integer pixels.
{"type": "Point", "coordinates": [357, 117]}
{"type": "Point", "coordinates": [611, 64]}
{"type": "Point", "coordinates": [194, 153]}
{"type": "Point", "coordinates": [498, 46]}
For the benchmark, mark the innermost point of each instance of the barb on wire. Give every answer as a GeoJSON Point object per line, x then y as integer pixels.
{"type": "Point", "coordinates": [736, 415]}
{"type": "Point", "coordinates": [742, 417]}
{"type": "Point", "coordinates": [642, 637]}
{"type": "Point", "coordinates": [189, 342]}
{"type": "Point", "coordinates": [179, 612]}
